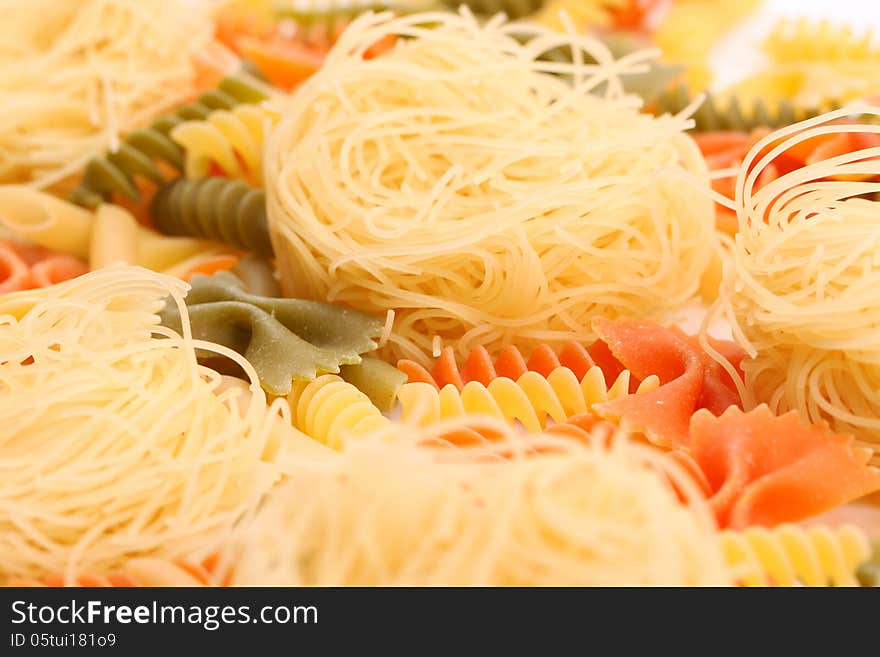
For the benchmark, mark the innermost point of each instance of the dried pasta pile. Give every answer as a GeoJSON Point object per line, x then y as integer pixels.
{"type": "Point", "coordinates": [400, 292]}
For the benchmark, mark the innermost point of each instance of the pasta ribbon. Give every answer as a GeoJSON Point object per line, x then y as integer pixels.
{"type": "Point", "coordinates": [584, 14]}
{"type": "Point", "coordinates": [308, 13]}
{"type": "Point", "coordinates": [330, 410]}
{"type": "Point", "coordinates": [530, 400]}
{"type": "Point", "coordinates": [480, 366]}
{"type": "Point", "coordinates": [788, 555]}
{"type": "Point", "coordinates": [682, 42]}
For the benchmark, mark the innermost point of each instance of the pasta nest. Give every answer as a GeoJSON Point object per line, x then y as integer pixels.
{"type": "Point", "coordinates": [143, 453]}
{"type": "Point", "coordinates": [484, 200]}
{"type": "Point", "coordinates": [520, 510]}
{"type": "Point", "coordinates": [803, 293]}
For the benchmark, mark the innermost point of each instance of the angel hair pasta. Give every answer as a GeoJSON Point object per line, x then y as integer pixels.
{"type": "Point", "coordinates": [458, 183]}
{"type": "Point", "coordinates": [141, 452]}
{"type": "Point", "coordinates": [73, 75]}
{"type": "Point", "coordinates": [803, 293]}
{"type": "Point", "coordinates": [389, 510]}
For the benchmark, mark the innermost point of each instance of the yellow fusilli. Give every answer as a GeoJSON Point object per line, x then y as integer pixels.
{"type": "Point", "coordinates": [231, 139]}
{"type": "Point", "coordinates": [788, 555]}
{"type": "Point", "coordinates": [531, 399]}
{"type": "Point", "coordinates": [329, 409]}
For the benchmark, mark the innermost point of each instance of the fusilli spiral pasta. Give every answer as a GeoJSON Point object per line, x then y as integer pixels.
{"type": "Point", "coordinates": [531, 399]}
{"type": "Point", "coordinates": [329, 409]}
{"type": "Point", "coordinates": [138, 154]}
{"type": "Point", "coordinates": [232, 139]}
{"type": "Point", "coordinates": [481, 367]}
{"type": "Point", "coordinates": [228, 211]}
{"type": "Point", "coordinates": [788, 555]}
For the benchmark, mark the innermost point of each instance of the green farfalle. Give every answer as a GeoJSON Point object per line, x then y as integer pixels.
{"type": "Point", "coordinates": [284, 339]}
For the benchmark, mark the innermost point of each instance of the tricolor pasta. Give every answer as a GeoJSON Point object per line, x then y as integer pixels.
{"type": "Point", "coordinates": [402, 293]}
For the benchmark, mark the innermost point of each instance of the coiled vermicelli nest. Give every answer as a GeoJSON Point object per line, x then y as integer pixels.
{"type": "Point", "coordinates": [519, 210]}
{"type": "Point", "coordinates": [804, 290]}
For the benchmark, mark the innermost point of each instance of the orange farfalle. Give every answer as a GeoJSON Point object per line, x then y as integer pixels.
{"type": "Point", "coordinates": [763, 469]}
{"type": "Point", "coordinates": [24, 267]}
{"type": "Point", "coordinates": [689, 379]}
